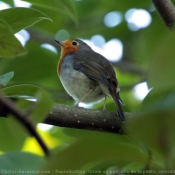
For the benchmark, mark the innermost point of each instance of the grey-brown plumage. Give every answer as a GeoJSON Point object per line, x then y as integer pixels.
{"type": "Point", "coordinates": [83, 71]}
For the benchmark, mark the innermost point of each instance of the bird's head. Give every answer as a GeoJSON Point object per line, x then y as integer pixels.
{"type": "Point", "coordinates": [72, 45]}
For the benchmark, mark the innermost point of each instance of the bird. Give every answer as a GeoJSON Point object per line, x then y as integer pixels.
{"type": "Point", "coordinates": [86, 75]}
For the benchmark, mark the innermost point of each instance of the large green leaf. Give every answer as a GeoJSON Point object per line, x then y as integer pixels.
{"type": "Point", "coordinates": [161, 69]}
{"type": "Point", "coordinates": [9, 45]}
{"type": "Point", "coordinates": [11, 138]}
{"type": "Point", "coordinates": [4, 79]}
{"type": "Point", "coordinates": [32, 66]}
{"type": "Point", "coordinates": [65, 7]}
{"type": "Point", "coordinates": [19, 163]}
{"type": "Point", "coordinates": [20, 18]}
{"type": "Point", "coordinates": [43, 106]}
{"type": "Point", "coordinates": [97, 148]}
{"type": "Point", "coordinates": [24, 90]}
{"type": "Point", "coordinates": [156, 131]}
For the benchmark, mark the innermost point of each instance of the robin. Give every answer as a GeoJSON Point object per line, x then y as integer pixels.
{"type": "Point", "coordinates": [86, 75]}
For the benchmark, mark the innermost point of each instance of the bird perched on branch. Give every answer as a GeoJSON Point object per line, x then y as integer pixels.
{"type": "Point", "coordinates": [86, 75]}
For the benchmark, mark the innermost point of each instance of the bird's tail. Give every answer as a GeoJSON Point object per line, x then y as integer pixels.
{"type": "Point", "coordinates": [118, 103]}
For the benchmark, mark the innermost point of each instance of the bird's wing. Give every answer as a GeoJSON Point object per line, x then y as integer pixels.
{"type": "Point", "coordinates": [94, 66]}
{"type": "Point", "coordinates": [98, 68]}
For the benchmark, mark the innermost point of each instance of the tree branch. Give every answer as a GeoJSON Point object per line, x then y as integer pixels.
{"type": "Point", "coordinates": [81, 118]}
{"type": "Point", "coordinates": [8, 106]}
{"type": "Point", "coordinates": [89, 119]}
{"type": "Point", "coordinates": [167, 11]}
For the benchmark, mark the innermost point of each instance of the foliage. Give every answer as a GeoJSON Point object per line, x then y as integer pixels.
{"type": "Point", "coordinates": [30, 72]}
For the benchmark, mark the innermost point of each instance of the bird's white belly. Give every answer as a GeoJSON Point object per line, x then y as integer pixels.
{"type": "Point", "coordinates": [78, 85]}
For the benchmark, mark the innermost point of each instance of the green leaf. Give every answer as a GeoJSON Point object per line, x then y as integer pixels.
{"type": "Point", "coordinates": [97, 148]}
{"type": "Point", "coordinates": [24, 90]}
{"type": "Point", "coordinates": [161, 70]}
{"type": "Point", "coordinates": [145, 128]}
{"type": "Point", "coordinates": [20, 18]}
{"type": "Point", "coordinates": [20, 162]}
{"type": "Point", "coordinates": [100, 169]}
{"type": "Point", "coordinates": [43, 106]}
{"type": "Point", "coordinates": [10, 137]}
{"type": "Point", "coordinates": [156, 131]}
{"type": "Point", "coordinates": [65, 7]}
{"type": "Point", "coordinates": [134, 166]}
{"type": "Point", "coordinates": [9, 45]}
{"type": "Point", "coordinates": [4, 79]}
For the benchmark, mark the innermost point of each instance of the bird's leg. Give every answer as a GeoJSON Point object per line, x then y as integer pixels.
{"type": "Point", "coordinates": [104, 106]}
{"type": "Point", "coordinates": [76, 105]}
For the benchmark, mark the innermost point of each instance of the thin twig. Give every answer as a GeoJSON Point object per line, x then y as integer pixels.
{"type": "Point", "coordinates": [9, 106]}
{"type": "Point", "coordinates": [167, 11]}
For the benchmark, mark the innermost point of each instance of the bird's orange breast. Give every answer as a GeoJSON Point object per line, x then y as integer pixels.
{"type": "Point", "coordinates": [66, 49]}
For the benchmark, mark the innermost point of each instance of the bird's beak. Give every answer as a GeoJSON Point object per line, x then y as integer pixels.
{"type": "Point", "coordinates": [60, 43]}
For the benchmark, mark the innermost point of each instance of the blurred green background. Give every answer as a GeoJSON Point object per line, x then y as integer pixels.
{"type": "Point", "coordinates": [146, 62]}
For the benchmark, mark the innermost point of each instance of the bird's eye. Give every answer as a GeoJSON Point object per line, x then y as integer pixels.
{"type": "Point", "coordinates": [74, 43]}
